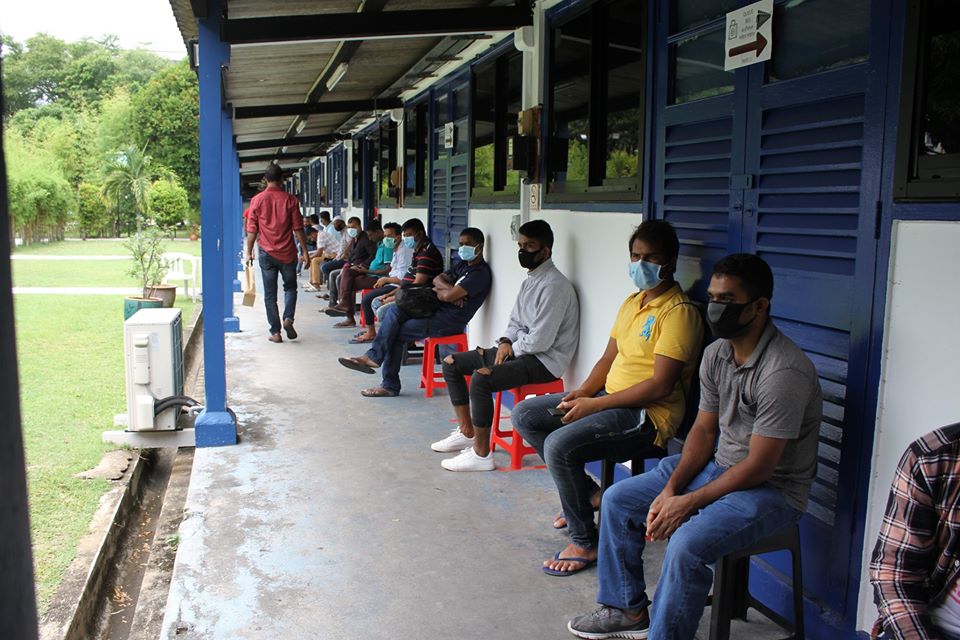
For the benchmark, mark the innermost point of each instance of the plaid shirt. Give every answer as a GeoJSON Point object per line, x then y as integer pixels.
{"type": "Point", "coordinates": [917, 557]}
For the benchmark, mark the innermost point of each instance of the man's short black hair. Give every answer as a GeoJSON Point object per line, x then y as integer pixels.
{"type": "Point", "coordinates": [273, 173]}
{"type": "Point", "coordinates": [538, 230]}
{"type": "Point", "coordinates": [313, 218]}
{"type": "Point", "coordinates": [393, 225]}
{"type": "Point", "coordinates": [660, 235]}
{"type": "Point", "coordinates": [474, 234]}
{"type": "Point", "coordinates": [325, 215]}
{"type": "Point", "coordinates": [374, 225]}
{"type": "Point", "coordinates": [752, 270]}
{"type": "Point", "coordinates": [415, 225]}
{"type": "Point", "coordinates": [354, 219]}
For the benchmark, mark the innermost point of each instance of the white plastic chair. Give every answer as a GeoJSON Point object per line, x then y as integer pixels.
{"type": "Point", "coordinates": [182, 267]}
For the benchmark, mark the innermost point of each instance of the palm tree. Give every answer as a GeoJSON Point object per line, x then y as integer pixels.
{"type": "Point", "coordinates": [128, 175]}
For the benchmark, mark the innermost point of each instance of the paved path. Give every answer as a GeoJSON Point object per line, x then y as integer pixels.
{"type": "Point", "coordinates": [41, 257]}
{"type": "Point", "coordinates": [332, 518]}
{"type": "Point", "coordinates": [78, 291]}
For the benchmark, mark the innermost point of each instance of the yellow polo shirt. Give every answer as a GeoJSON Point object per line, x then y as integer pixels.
{"type": "Point", "coordinates": [663, 326]}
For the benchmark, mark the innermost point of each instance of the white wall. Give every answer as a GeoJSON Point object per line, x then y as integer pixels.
{"type": "Point", "coordinates": [920, 370]}
{"type": "Point", "coordinates": [589, 248]}
{"type": "Point", "coordinates": [402, 215]}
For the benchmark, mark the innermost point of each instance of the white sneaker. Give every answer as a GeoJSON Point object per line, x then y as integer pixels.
{"type": "Point", "coordinates": [468, 460]}
{"type": "Point", "coordinates": [456, 441]}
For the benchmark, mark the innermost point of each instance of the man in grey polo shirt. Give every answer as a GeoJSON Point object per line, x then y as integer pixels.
{"type": "Point", "coordinates": [538, 344]}
{"type": "Point", "coordinates": [759, 394]}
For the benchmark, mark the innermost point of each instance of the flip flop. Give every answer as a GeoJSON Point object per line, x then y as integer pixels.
{"type": "Point", "coordinates": [378, 392]}
{"type": "Point", "coordinates": [359, 340]}
{"type": "Point", "coordinates": [585, 564]}
{"type": "Point", "coordinates": [333, 312]}
{"type": "Point", "coordinates": [356, 365]}
{"type": "Point", "coordinates": [344, 324]}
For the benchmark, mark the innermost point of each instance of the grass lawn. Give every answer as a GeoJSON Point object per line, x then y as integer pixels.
{"type": "Point", "coordinates": [70, 352]}
{"type": "Point", "coordinates": [72, 273]}
{"type": "Point", "coordinates": [97, 247]}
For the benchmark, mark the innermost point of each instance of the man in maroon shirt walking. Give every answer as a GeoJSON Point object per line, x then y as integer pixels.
{"type": "Point", "coordinates": [273, 218]}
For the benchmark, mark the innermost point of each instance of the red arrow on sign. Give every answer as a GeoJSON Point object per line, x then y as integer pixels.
{"type": "Point", "coordinates": [758, 45]}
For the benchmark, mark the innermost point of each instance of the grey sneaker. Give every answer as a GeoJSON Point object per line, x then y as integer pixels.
{"type": "Point", "coordinates": [608, 622]}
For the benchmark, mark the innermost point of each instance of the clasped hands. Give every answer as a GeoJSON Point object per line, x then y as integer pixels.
{"type": "Point", "coordinates": [667, 512]}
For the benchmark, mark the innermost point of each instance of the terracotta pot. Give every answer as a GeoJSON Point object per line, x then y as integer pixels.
{"type": "Point", "coordinates": [131, 305]}
{"type": "Point", "coordinates": [165, 292]}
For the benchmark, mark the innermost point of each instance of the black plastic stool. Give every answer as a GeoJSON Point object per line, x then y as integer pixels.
{"type": "Point", "coordinates": [731, 587]}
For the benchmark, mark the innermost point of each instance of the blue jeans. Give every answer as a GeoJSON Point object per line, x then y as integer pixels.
{"type": "Point", "coordinates": [612, 433]}
{"type": "Point", "coordinates": [735, 521]}
{"type": "Point", "coordinates": [329, 266]}
{"type": "Point", "coordinates": [396, 330]}
{"type": "Point", "coordinates": [269, 268]}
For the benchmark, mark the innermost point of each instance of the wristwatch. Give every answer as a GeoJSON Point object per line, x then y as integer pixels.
{"type": "Point", "coordinates": [504, 340]}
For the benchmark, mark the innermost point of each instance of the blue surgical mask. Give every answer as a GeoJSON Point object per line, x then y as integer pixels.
{"type": "Point", "coordinates": [646, 275]}
{"type": "Point", "coordinates": [410, 242]}
{"type": "Point", "coordinates": [467, 253]}
{"type": "Point", "coordinates": [387, 242]}
{"type": "Point", "coordinates": [353, 232]}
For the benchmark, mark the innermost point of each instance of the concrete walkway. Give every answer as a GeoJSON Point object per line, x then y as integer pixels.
{"type": "Point", "coordinates": [333, 519]}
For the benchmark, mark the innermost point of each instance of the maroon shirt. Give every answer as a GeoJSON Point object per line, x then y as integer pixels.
{"type": "Point", "coordinates": [274, 215]}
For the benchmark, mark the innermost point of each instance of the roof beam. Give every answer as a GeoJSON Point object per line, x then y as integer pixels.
{"type": "Point", "coordinates": [276, 156]}
{"type": "Point", "coordinates": [384, 24]}
{"type": "Point", "coordinates": [303, 108]}
{"type": "Point", "coordinates": [287, 142]}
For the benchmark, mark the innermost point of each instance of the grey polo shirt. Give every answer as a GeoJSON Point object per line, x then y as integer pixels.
{"type": "Point", "coordinates": [775, 393]}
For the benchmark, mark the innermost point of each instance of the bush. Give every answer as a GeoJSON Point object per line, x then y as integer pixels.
{"type": "Point", "coordinates": [169, 204]}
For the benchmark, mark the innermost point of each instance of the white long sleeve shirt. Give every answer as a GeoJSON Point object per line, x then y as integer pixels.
{"type": "Point", "coordinates": [545, 321]}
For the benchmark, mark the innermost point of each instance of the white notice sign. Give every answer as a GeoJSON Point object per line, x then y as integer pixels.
{"type": "Point", "coordinates": [448, 135]}
{"type": "Point", "coordinates": [749, 35]}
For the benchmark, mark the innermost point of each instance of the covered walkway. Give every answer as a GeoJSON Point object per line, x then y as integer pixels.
{"type": "Point", "coordinates": [333, 519]}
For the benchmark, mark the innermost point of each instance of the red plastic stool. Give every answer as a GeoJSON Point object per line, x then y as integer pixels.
{"type": "Point", "coordinates": [509, 439]}
{"type": "Point", "coordinates": [430, 379]}
{"type": "Point", "coordinates": [363, 321]}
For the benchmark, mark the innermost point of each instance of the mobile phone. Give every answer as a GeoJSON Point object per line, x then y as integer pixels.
{"type": "Point", "coordinates": [556, 411]}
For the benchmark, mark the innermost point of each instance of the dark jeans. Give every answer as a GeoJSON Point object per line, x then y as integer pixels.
{"type": "Point", "coordinates": [366, 302]}
{"type": "Point", "coordinates": [270, 267]}
{"type": "Point", "coordinates": [330, 265]}
{"type": "Point", "coordinates": [396, 330]}
{"type": "Point", "coordinates": [611, 433]}
{"type": "Point", "coordinates": [526, 369]}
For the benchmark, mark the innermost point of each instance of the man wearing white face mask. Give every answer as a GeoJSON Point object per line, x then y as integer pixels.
{"type": "Point", "coordinates": [634, 397]}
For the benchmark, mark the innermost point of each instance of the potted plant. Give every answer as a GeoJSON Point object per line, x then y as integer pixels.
{"type": "Point", "coordinates": [146, 252]}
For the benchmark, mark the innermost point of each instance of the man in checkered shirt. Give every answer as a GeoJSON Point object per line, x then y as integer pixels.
{"type": "Point", "coordinates": [916, 562]}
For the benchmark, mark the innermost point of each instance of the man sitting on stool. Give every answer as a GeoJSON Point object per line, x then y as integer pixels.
{"type": "Point", "coordinates": [537, 346]}
{"type": "Point", "coordinates": [759, 393]}
{"type": "Point", "coordinates": [461, 290]}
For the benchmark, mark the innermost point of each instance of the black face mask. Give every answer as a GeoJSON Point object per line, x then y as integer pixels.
{"type": "Point", "coordinates": [724, 318]}
{"type": "Point", "coordinates": [528, 260]}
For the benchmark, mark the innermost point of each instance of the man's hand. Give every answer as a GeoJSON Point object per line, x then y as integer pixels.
{"type": "Point", "coordinates": [577, 408]}
{"type": "Point", "coordinates": [667, 513]}
{"type": "Point", "coordinates": [358, 268]}
{"type": "Point", "coordinates": [249, 260]}
{"type": "Point", "coordinates": [381, 282]}
{"type": "Point", "coordinates": [576, 393]}
{"type": "Point", "coordinates": [504, 351]}
{"type": "Point", "coordinates": [305, 259]}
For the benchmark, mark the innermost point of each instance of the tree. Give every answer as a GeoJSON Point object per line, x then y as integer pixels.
{"type": "Point", "coordinates": [129, 174]}
{"type": "Point", "coordinates": [166, 116]}
{"type": "Point", "coordinates": [40, 196]}
{"type": "Point", "coordinates": [91, 209]}
{"type": "Point", "coordinates": [169, 205]}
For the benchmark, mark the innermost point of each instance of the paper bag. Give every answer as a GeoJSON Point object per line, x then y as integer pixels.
{"type": "Point", "coordinates": [249, 287]}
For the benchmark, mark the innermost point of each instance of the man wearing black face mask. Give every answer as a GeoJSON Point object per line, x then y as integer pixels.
{"type": "Point", "coordinates": [760, 402]}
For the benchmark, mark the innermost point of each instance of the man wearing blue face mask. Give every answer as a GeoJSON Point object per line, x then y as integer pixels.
{"type": "Point", "coordinates": [461, 290]}
{"type": "Point", "coordinates": [633, 400]}
{"type": "Point", "coordinates": [537, 346]}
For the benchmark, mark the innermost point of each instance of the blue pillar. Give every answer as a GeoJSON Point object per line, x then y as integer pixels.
{"type": "Point", "coordinates": [215, 425]}
{"type": "Point", "coordinates": [231, 324]}
{"type": "Point", "coordinates": [238, 219]}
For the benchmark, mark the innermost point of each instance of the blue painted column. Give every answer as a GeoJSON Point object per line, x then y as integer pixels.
{"type": "Point", "coordinates": [214, 426]}
{"type": "Point", "coordinates": [238, 219]}
{"type": "Point", "coordinates": [231, 323]}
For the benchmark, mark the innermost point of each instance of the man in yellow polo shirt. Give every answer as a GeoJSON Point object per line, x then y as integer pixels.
{"type": "Point", "coordinates": [632, 401]}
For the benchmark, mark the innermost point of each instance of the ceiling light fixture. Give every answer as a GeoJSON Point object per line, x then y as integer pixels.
{"type": "Point", "coordinates": [337, 75]}
{"type": "Point", "coordinates": [300, 126]}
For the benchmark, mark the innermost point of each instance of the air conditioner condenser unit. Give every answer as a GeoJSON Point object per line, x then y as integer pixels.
{"type": "Point", "coordinates": [153, 359]}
